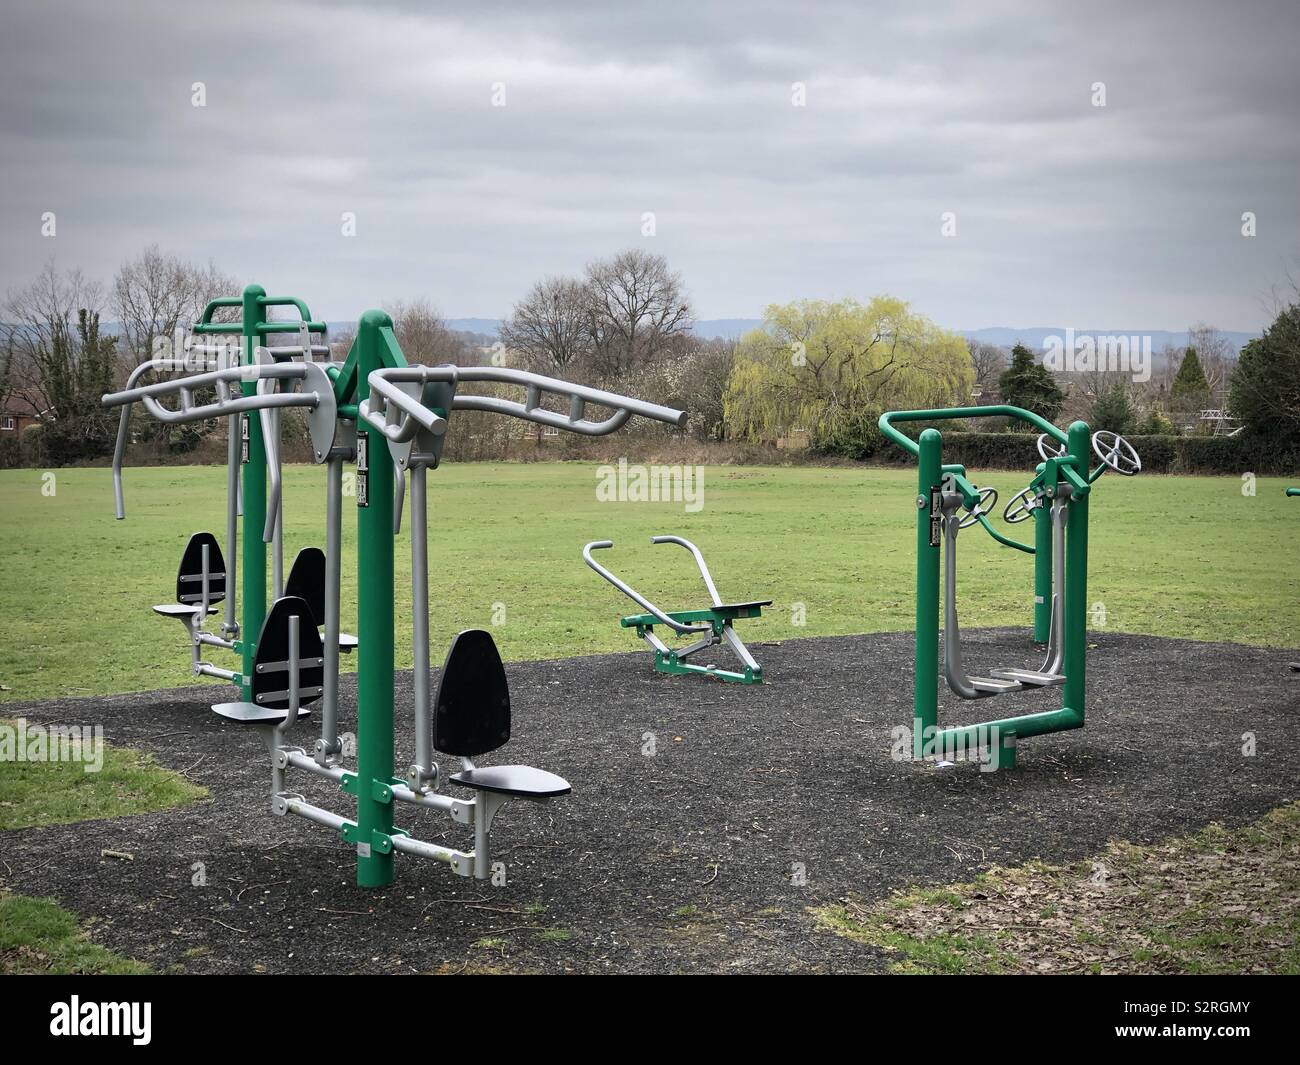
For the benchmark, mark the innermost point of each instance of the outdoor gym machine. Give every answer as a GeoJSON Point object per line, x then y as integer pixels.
{"type": "Point", "coordinates": [943, 490]}
{"type": "Point", "coordinates": [1114, 453]}
{"type": "Point", "coordinates": [714, 623]}
{"type": "Point", "coordinates": [391, 419]}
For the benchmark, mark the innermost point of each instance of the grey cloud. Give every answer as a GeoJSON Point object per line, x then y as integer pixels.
{"type": "Point", "coordinates": [1124, 217]}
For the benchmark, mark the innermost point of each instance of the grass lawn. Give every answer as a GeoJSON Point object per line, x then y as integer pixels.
{"type": "Point", "coordinates": [1175, 556]}
{"type": "Point", "coordinates": [1218, 902]}
{"type": "Point", "coordinates": [62, 792]}
{"type": "Point", "coordinates": [37, 935]}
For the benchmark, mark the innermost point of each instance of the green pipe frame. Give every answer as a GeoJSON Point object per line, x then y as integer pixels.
{"type": "Point", "coordinates": [999, 737]}
{"type": "Point", "coordinates": [374, 347]}
{"type": "Point", "coordinates": [253, 328]}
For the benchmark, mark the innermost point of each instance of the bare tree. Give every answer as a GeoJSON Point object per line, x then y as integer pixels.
{"type": "Point", "coordinates": [551, 326]}
{"type": "Point", "coordinates": [424, 335]}
{"type": "Point", "coordinates": [636, 305]}
{"type": "Point", "coordinates": [989, 361]}
{"type": "Point", "coordinates": [154, 293]}
{"type": "Point", "coordinates": [55, 349]}
{"type": "Point", "coordinates": [1216, 354]}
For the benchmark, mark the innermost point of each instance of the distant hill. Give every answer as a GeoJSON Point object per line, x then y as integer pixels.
{"type": "Point", "coordinates": [1033, 338]}
{"type": "Point", "coordinates": [1002, 336]}
{"type": "Point", "coordinates": [734, 328]}
{"type": "Point", "coordinates": [485, 326]}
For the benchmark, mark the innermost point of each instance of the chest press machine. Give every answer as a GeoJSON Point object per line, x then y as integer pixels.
{"type": "Point", "coordinates": [390, 419]}
{"type": "Point", "coordinates": [1058, 498]}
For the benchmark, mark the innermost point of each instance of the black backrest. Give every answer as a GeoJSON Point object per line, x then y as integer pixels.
{"type": "Point", "coordinates": [471, 712]}
{"type": "Point", "coordinates": [273, 649]}
{"type": "Point", "coordinates": [307, 581]}
{"type": "Point", "coordinates": [189, 578]}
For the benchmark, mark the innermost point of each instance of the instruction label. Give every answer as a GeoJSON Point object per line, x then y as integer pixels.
{"type": "Point", "coordinates": [936, 513]}
{"type": "Point", "coordinates": [363, 470]}
{"type": "Point", "coordinates": [243, 438]}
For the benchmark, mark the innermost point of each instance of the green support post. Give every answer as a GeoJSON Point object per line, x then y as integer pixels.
{"type": "Point", "coordinates": [1076, 583]}
{"type": "Point", "coordinates": [375, 622]}
{"type": "Point", "coordinates": [254, 488]}
{"type": "Point", "coordinates": [929, 482]}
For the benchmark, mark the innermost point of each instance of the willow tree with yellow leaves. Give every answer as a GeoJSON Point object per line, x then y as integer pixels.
{"type": "Point", "coordinates": [831, 368]}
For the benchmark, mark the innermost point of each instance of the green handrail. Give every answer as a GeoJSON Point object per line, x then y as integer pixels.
{"type": "Point", "coordinates": [952, 413]}
{"type": "Point", "coordinates": [206, 325]}
{"type": "Point", "coordinates": [1004, 540]}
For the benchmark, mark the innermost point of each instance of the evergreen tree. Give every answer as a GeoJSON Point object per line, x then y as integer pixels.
{"type": "Point", "coordinates": [1265, 387]}
{"type": "Point", "coordinates": [1113, 410]}
{"type": "Point", "coordinates": [1191, 390]}
{"type": "Point", "coordinates": [1030, 385]}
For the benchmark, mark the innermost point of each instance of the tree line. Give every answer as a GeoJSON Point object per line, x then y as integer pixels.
{"type": "Point", "coordinates": [816, 372]}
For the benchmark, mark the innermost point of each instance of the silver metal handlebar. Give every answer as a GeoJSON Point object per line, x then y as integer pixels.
{"type": "Point", "coordinates": [699, 561]}
{"type": "Point", "coordinates": [641, 600]}
{"type": "Point", "coordinates": [402, 416]}
{"type": "Point", "coordinates": [224, 406]}
{"type": "Point", "coordinates": [400, 429]}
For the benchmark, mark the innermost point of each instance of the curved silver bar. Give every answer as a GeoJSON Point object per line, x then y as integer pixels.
{"type": "Point", "coordinates": [119, 448]}
{"type": "Point", "coordinates": [399, 495]}
{"type": "Point", "coordinates": [208, 379]}
{"type": "Point", "coordinates": [424, 770]}
{"type": "Point", "coordinates": [623, 407]}
{"type": "Point", "coordinates": [699, 561]}
{"type": "Point", "coordinates": [399, 431]}
{"type": "Point", "coordinates": [271, 442]}
{"type": "Point", "coordinates": [654, 411]}
{"type": "Point", "coordinates": [632, 593]}
{"type": "Point", "coordinates": [583, 426]}
{"type": "Point", "coordinates": [1056, 628]}
{"type": "Point", "coordinates": [223, 407]}
{"type": "Point", "coordinates": [953, 669]}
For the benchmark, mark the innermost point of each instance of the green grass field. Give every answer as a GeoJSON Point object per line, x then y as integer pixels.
{"type": "Point", "coordinates": [1177, 556]}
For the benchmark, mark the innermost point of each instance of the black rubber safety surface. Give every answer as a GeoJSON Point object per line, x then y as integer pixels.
{"type": "Point", "coordinates": [706, 818]}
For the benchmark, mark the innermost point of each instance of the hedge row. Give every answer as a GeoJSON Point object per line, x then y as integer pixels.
{"type": "Point", "coordinates": [1232, 455]}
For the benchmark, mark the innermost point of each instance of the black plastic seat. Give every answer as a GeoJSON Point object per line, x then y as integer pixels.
{"type": "Point", "coordinates": [522, 781]}
{"type": "Point", "coordinates": [189, 578]}
{"type": "Point", "coordinates": [270, 679]}
{"type": "Point", "coordinates": [742, 606]}
{"type": "Point", "coordinates": [472, 717]}
{"type": "Point", "coordinates": [306, 580]}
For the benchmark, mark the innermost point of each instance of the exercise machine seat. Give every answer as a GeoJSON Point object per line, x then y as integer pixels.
{"type": "Point", "coordinates": [306, 580]}
{"type": "Point", "coordinates": [180, 610]}
{"type": "Point", "coordinates": [252, 714]}
{"type": "Point", "coordinates": [522, 781]}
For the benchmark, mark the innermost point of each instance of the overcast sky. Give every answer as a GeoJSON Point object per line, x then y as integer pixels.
{"type": "Point", "coordinates": [1123, 216]}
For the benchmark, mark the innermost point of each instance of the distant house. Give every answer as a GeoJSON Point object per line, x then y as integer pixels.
{"type": "Point", "coordinates": [20, 409]}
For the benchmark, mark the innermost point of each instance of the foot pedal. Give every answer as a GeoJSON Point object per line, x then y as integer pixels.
{"type": "Point", "coordinates": [996, 685]}
{"type": "Point", "coordinates": [1030, 677]}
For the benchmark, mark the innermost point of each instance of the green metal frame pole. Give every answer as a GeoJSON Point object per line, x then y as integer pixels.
{"type": "Point", "coordinates": [926, 679]}
{"type": "Point", "coordinates": [254, 472]}
{"type": "Point", "coordinates": [1042, 571]}
{"type": "Point", "coordinates": [375, 626]}
{"type": "Point", "coordinates": [1076, 583]}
